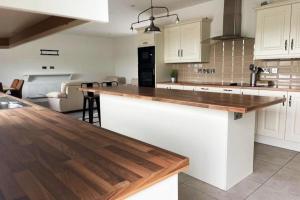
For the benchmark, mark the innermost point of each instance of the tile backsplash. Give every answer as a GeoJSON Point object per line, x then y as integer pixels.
{"type": "Point", "coordinates": [288, 72]}
{"type": "Point", "coordinates": [229, 62]}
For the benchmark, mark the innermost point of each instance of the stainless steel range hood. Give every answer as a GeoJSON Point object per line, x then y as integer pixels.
{"type": "Point", "coordinates": [232, 21]}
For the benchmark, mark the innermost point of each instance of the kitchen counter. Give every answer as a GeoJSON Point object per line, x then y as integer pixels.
{"type": "Point", "coordinates": [240, 86]}
{"type": "Point", "coordinates": [218, 101]}
{"type": "Point", "coordinates": [48, 155]}
{"type": "Point", "coordinates": [216, 131]}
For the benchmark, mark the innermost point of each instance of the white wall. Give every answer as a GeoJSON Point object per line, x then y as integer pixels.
{"type": "Point", "coordinates": [91, 58]}
{"type": "Point", "coordinates": [126, 59]}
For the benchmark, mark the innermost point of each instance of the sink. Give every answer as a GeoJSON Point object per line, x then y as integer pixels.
{"type": "Point", "coordinates": [11, 103]}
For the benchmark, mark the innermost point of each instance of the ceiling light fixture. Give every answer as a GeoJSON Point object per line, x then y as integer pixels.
{"type": "Point", "coordinates": [152, 18]}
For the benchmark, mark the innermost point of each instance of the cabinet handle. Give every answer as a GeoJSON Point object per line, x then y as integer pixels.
{"type": "Point", "coordinates": [292, 44]}
{"type": "Point", "coordinates": [225, 90]}
{"type": "Point", "coordinates": [283, 103]}
{"type": "Point", "coordinates": [290, 101]}
{"type": "Point", "coordinates": [285, 45]}
{"type": "Point", "coordinates": [204, 88]}
{"type": "Point", "coordinates": [178, 53]}
{"type": "Point", "coordinates": [181, 52]}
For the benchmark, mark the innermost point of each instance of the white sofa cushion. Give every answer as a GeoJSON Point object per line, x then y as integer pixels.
{"type": "Point", "coordinates": [64, 85]}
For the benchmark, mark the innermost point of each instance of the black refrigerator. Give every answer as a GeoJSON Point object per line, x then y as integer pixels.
{"type": "Point", "coordinates": [146, 56]}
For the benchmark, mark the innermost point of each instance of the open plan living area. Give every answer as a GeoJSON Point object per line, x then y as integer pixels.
{"type": "Point", "coordinates": [150, 100]}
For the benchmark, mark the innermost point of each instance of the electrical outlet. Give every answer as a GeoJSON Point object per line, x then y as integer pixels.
{"type": "Point", "coordinates": [266, 70]}
{"type": "Point", "coordinates": [274, 70]}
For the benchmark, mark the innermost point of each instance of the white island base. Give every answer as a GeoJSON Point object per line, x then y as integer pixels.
{"type": "Point", "coordinates": [219, 147]}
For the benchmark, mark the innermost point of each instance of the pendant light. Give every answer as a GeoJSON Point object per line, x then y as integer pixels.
{"type": "Point", "coordinates": [152, 28]}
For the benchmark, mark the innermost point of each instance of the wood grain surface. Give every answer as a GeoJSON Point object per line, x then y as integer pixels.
{"type": "Point", "coordinates": [227, 102]}
{"type": "Point", "coordinates": [227, 85]}
{"type": "Point", "coordinates": [49, 156]}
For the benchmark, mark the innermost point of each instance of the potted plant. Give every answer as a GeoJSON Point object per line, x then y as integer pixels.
{"type": "Point", "coordinates": [174, 75]}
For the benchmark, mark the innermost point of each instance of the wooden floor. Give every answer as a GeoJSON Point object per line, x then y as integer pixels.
{"type": "Point", "coordinates": [46, 156]}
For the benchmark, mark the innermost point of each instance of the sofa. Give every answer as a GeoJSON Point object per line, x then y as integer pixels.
{"type": "Point", "coordinates": [69, 98]}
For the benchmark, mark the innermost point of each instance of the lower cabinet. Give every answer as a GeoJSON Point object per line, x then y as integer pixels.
{"type": "Point", "coordinates": [250, 92]}
{"type": "Point", "coordinates": [292, 132]}
{"type": "Point", "coordinates": [163, 86]}
{"type": "Point", "coordinates": [271, 120]}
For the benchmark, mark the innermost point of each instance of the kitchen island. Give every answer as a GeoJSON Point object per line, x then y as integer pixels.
{"type": "Point", "coordinates": [47, 155]}
{"type": "Point", "coordinates": [216, 131]}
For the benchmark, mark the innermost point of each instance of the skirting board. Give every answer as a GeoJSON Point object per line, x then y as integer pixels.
{"type": "Point", "coordinates": [278, 142]}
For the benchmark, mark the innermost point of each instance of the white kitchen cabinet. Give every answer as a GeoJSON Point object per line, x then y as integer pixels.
{"type": "Point", "coordinates": [190, 42]}
{"type": "Point", "coordinates": [295, 31]}
{"type": "Point", "coordinates": [163, 86]}
{"type": "Point", "coordinates": [189, 87]}
{"type": "Point", "coordinates": [145, 39]}
{"type": "Point", "coordinates": [250, 92]}
{"type": "Point", "coordinates": [172, 44]}
{"type": "Point", "coordinates": [271, 120]}
{"type": "Point", "coordinates": [184, 42]}
{"type": "Point", "coordinates": [293, 117]}
{"type": "Point", "coordinates": [273, 32]}
{"type": "Point", "coordinates": [231, 91]}
{"type": "Point", "coordinates": [170, 86]}
{"type": "Point", "coordinates": [207, 89]}
{"type": "Point", "coordinates": [176, 87]}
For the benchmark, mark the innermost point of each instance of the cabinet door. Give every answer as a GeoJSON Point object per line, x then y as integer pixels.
{"type": "Point", "coordinates": [250, 92]}
{"type": "Point", "coordinates": [176, 87]}
{"type": "Point", "coordinates": [172, 44]}
{"type": "Point", "coordinates": [272, 32]}
{"type": "Point", "coordinates": [295, 30]}
{"type": "Point", "coordinates": [163, 86]}
{"type": "Point", "coordinates": [189, 87]}
{"type": "Point", "coordinates": [231, 91]}
{"type": "Point", "coordinates": [145, 39]}
{"type": "Point", "coordinates": [271, 120]}
{"type": "Point", "coordinates": [293, 118]}
{"type": "Point", "coordinates": [190, 42]}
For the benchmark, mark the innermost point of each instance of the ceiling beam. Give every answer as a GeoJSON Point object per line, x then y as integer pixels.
{"type": "Point", "coordinates": [4, 43]}
{"type": "Point", "coordinates": [44, 28]}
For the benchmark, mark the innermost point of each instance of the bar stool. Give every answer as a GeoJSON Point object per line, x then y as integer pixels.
{"type": "Point", "coordinates": [109, 83]}
{"type": "Point", "coordinates": [91, 98]}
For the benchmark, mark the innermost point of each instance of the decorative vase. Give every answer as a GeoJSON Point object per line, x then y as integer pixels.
{"type": "Point", "coordinates": [173, 79]}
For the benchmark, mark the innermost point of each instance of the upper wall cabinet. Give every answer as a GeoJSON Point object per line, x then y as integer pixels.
{"type": "Point", "coordinates": [278, 31]}
{"type": "Point", "coordinates": [185, 43]}
{"type": "Point", "coordinates": [295, 30]}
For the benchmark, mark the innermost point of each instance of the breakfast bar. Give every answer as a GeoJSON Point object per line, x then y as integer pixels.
{"type": "Point", "coordinates": [216, 131]}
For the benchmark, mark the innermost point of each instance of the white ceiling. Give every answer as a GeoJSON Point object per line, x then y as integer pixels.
{"type": "Point", "coordinates": [15, 21]}
{"type": "Point", "coordinates": [123, 12]}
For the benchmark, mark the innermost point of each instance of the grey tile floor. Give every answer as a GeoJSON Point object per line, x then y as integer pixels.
{"type": "Point", "coordinates": [276, 177]}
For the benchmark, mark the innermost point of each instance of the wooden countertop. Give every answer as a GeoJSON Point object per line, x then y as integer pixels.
{"type": "Point", "coordinates": [218, 101]}
{"type": "Point", "coordinates": [46, 155]}
{"type": "Point", "coordinates": [243, 86]}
